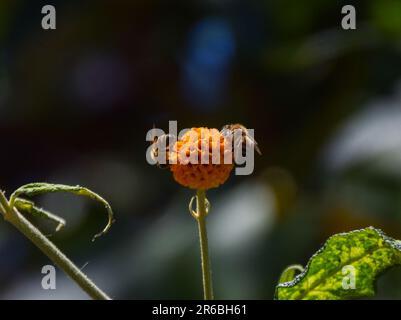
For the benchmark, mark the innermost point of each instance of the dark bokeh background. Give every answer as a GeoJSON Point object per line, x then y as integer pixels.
{"type": "Point", "coordinates": [76, 103]}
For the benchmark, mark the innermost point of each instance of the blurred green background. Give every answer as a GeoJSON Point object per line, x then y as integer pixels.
{"type": "Point", "coordinates": [76, 103]}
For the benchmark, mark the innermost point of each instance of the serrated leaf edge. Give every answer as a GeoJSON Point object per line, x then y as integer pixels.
{"type": "Point", "coordinates": [390, 241]}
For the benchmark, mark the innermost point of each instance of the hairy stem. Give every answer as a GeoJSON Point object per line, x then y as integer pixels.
{"type": "Point", "coordinates": [50, 250]}
{"type": "Point", "coordinates": [205, 261]}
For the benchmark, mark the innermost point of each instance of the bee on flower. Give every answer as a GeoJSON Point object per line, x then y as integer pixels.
{"type": "Point", "coordinates": [160, 147]}
{"type": "Point", "coordinates": [203, 158]}
{"type": "Point", "coordinates": [243, 140]}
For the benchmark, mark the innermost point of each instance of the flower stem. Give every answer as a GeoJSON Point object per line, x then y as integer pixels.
{"type": "Point", "coordinates": [49, 249]}
{"type": "Point", "coordinates": [205, 261]}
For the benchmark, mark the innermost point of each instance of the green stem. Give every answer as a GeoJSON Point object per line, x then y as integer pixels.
{"type": "Point", "coordinates": [205, 261]}
{"type": "Point", "coordinates": [49, 249]}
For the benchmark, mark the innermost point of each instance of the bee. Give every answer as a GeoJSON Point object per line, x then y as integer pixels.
{"type": "Point", "coordinates": [160, 149]}
{"type": "Point", "coordinates": [244, 141]}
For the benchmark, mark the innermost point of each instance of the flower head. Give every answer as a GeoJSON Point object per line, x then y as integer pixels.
{"type": "Point", "coordinates": [197, 159]}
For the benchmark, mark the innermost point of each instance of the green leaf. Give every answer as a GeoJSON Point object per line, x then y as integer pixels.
{"type": "Point", "coordinates": [33, 189]}
{"type": "Point", "coordinates": [359, 256]}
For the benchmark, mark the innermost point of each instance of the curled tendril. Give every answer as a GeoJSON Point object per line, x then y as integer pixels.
{"type": "Point", "coordinates": [33, 189]}
{"type": "Point", "coordinates": [194, 213]}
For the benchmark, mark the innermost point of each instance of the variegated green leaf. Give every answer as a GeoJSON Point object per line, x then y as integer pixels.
{"type": "Point", "coordinates": [34, 189]}
{"type": "Point", "coordinates": [346, 267]}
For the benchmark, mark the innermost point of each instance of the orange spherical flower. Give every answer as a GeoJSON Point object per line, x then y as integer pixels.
{"type": "Point", "coordinates": [197, 159]}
